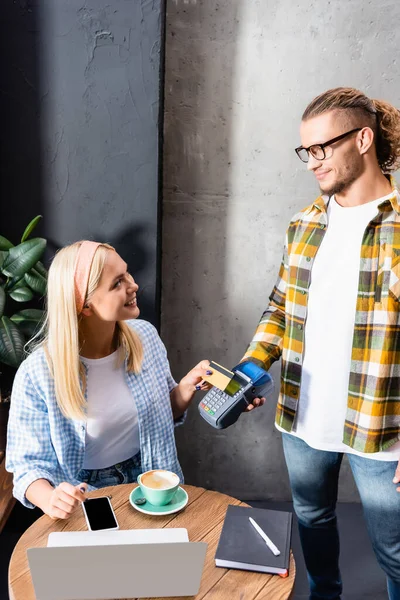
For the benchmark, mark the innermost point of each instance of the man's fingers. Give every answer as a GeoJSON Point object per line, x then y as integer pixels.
{"type": "Point", "coordinates": [255, 404]}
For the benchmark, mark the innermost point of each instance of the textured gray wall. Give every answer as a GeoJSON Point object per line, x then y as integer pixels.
{"type": "Point", "coordinates": [238, 76]}
{"type": "Point", "coordinates": [80, 106]}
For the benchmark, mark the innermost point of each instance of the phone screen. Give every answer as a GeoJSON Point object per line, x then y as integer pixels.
{"type": "Point", "coordinates": [99, 514]}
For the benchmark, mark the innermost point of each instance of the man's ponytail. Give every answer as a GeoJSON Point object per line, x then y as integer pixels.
{"type": "Point", "coordinates": [388, 135]}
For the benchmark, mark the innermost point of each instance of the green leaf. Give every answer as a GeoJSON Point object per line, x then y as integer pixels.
{"type": "Point", "coordinates": [3, 255]}
{"type": "Point", "coordinates": [5, 244]}
{"type": "Point", "coordinates": [2, 301]}
{"type": "Point", "coordinates": [23, 257]}
{"type": "Point", "coordinates": [28, 314]}
{"type": "Point", "coordinates": [36, 281]}
{"type": "Point", "coordinates": [22, 294]}
{"type": "Point", "coordinates": [40, 268]}
{"type": "Point", "coordinates": [28, 320]}
{"type": "Point", "coordinates": [11, 343]}
{"type": "Point", "coordinates": [14, 283]}
{"type": "Point", "coordinates": [30, 228]}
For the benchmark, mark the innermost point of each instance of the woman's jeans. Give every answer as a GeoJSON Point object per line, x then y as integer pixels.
{"type": "Point", "coordinates": [314, 478]}
{"type": "Point", "coordinates": [124, 472]}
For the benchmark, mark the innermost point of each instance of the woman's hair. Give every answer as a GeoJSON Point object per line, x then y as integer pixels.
{"type": "Point", "coordinates": [360, 111]}
{"type": "Point", "coordinates": [59, 334]}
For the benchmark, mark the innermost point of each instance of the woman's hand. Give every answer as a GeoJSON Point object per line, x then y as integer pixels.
{"type": "Point", "coordinates": [182, 395]}
{"type": "Point", "coordinates": [193, 381]}
{"type": "Point", "coordinates": [64, 500]}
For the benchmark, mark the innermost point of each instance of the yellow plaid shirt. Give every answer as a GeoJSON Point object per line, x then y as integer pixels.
{"type": "Point", "coordinates": [373, 404]}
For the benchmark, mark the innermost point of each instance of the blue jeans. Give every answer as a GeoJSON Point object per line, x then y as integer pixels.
{"type": "Point", "coordinates": [314, 478]}
{"type": "Point", "coordinates": [124, 472]}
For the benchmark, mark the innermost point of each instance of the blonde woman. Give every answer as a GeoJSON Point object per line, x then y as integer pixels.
{"type": "Point", "coordinates": [95, 403]}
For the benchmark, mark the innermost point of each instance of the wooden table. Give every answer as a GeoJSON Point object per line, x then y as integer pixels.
{"type": "Point", "coordinates": [203, 518]}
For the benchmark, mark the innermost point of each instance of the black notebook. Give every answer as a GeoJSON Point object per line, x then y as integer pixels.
{"type": "Point", "coordinates": [242, 547]}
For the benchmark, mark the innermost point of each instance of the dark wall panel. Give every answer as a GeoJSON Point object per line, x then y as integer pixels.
{"type": "Point", "coordinates": [80, 97]}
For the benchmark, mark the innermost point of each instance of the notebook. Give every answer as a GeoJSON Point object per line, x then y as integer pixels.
{"type": "Point", "coordinates": [241, 547]}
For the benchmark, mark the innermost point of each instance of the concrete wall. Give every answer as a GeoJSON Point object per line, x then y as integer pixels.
{"type": "Point", "coordinates": [80, 92]}
{"type": "Point", "coordinates": [238, 76]}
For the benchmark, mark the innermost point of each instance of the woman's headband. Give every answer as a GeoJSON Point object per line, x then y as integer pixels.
{"type": "Point", "coordinates": [83, 265]}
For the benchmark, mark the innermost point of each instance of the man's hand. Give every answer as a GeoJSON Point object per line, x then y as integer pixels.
{"type": "Point", "coordinates": [259, 402]}
{"type": "Point", "coordinates": [64, 500]}
{"type": "Point", "coordinates": [396, 478]}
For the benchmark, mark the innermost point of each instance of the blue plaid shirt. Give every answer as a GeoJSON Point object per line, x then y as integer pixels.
{"type": "Point", "coordinates": [43, 444]}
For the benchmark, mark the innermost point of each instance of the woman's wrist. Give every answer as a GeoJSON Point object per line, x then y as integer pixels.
{"type": "Point", "coordinates": [39, 494]}
{"type": "Point", "coordinates": [186, 391]}
{"type": "Point", "coordinates": [180, 399]}
{"type": "Point", "coordinates": [182, 395]}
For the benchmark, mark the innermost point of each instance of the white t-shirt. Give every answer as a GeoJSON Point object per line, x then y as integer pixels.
{"type": "Point", "coordinates": [329, 329]}
{"type": "Point", "coordinates": [112, 431]}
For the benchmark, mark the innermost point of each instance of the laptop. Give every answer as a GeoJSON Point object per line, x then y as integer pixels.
{"type": "Point", "coordinates": [136, 564]}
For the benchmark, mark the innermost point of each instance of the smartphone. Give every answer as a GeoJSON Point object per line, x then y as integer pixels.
{"type": "Point", "coordinates": [99, 514]}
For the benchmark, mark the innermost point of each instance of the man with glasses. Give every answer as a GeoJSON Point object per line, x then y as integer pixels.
{"type": "Point", "coordinates": [334, 319]}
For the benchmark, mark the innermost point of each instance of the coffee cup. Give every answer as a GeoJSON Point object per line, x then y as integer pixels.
{"type": "Point", "coordinates": [158, 486]}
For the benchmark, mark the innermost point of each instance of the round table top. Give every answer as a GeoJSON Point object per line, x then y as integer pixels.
{"type": "Point", "coordinates": [203, 518]}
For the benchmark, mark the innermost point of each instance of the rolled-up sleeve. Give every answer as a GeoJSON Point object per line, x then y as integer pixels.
{"type": "Point", "coordinates": [170, 380]}
{"type": "Point", "coordinates": [29, 454]}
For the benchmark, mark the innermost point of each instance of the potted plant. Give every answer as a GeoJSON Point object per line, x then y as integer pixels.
{"type": "Point", "coordinates": [23, 280]}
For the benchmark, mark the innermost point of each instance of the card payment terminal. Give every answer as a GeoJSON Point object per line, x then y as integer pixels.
{"type": "Point", "coordinates": [223, 408]}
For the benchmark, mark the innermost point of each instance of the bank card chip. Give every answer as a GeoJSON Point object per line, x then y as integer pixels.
{"type": "Point", "coordinates": [220, 377]}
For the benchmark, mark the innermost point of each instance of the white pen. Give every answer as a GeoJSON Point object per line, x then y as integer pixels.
{"type": "Point", "coordinates": [266, 539]}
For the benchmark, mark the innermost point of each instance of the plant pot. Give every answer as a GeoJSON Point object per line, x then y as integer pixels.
{"type": "Point", "coordinates": [4, 409]}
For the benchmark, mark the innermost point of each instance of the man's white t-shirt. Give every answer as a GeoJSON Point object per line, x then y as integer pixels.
{"type": "Point", "coordinates": [329, 329]}
{"type": "Point", "coordinates": [112, 431]}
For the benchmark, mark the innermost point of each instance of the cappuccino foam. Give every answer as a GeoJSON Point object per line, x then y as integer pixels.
{"type": "Point", "coordinates": [159, 480]}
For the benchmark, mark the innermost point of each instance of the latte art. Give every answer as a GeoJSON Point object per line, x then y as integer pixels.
{"type": "Point", "coordinates": [159, 480]}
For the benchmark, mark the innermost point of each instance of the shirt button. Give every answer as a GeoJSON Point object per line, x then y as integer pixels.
{"type": "Point", "coordinates": [308, 258]}
{"type": "Point", "coordinates": [299, 326]}
{"type": "Point", "coordinates": [322, 226]}
{"type": "Point", "coordinates": [297, 359]}
{"type": "Point", "coordinates": [294, 392]}
{"type": "Point", "coordinates": [83, 428]}
{"type": "Point", "coordinates": [303, 292]}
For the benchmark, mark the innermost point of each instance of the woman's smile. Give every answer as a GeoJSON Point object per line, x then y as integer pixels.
{"type": "Point", "coordinates": [131, 303]}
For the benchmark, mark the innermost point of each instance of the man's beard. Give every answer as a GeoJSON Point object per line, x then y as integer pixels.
{"type": "Point", "coordinates": [352, 172]}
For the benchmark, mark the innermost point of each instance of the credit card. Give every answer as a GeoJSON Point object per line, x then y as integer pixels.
{"type": "Point", "coordinates": [220, 378]}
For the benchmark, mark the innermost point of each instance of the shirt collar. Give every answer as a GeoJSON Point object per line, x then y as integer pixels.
{"type": "Point", "coordinates": [395, 197]}
{"type": "Point", "coordinates": [321, 202]}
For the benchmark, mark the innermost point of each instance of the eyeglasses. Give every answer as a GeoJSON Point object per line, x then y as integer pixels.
{"type": "Point", "coordinates": [318, 150]}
